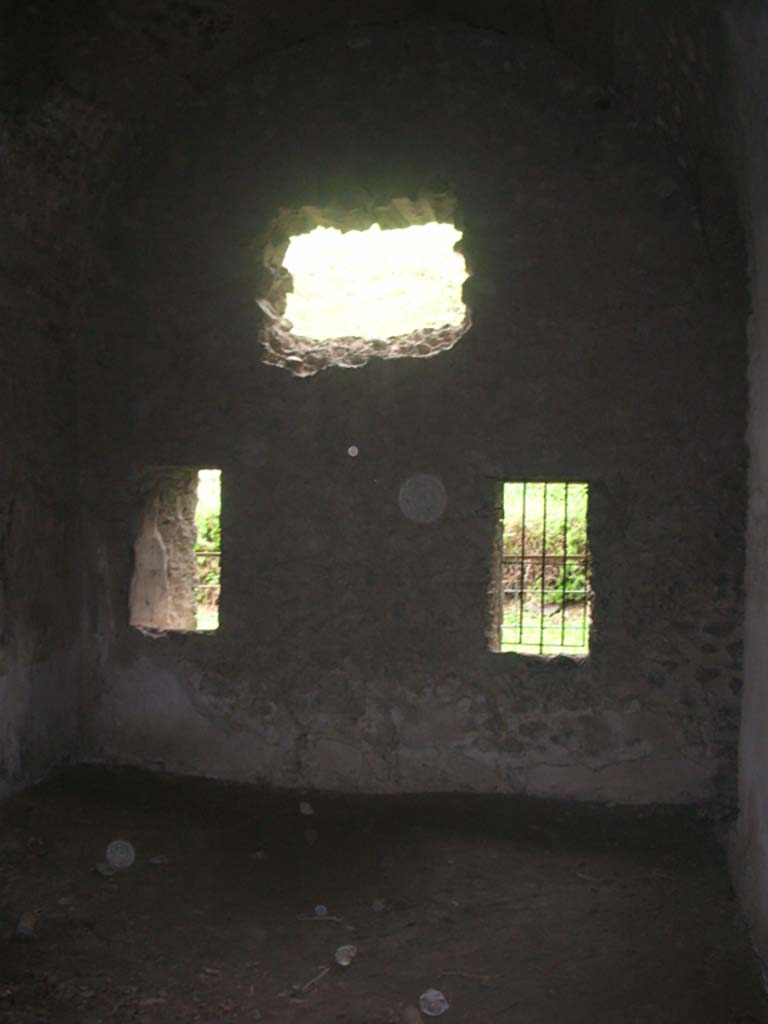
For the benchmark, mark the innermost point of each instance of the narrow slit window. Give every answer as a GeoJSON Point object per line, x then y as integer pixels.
{"type": "Point", "coordinates": [176, 580]}
{"type": "Point", "coordinates": [208, 548]}
{"type": "Point", "coordinates": [545, 569]}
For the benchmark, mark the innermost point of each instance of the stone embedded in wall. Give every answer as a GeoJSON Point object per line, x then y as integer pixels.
{"type": "Point", "coordinates": [149, 597]}
{"type": "Point", "coordinates": [304, 357]}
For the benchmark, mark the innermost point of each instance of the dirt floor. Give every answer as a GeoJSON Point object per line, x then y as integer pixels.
{"type": "Point", "coordinates": [519, 911]}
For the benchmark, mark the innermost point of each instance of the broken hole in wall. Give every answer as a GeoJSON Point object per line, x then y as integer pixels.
{"type": "Point", "coordinates": [343, 285]}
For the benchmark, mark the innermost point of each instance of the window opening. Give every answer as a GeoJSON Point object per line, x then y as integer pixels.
{"type": "Point", "coordinates": [339, 285]}
{"type": "Point", "coordinates": [176, 580]}
{"type": "Point", "coordinates": [545, 569]}
{"type": "Point", "coordinates": [375, 284]}
{"type": "Point", "coordinates": [208, 548]}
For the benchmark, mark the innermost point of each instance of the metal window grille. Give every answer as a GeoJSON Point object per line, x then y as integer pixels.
{"type": "Point", "coordinates": [208, 588]}
{"type": "Point", "coordinates": [545, 569]}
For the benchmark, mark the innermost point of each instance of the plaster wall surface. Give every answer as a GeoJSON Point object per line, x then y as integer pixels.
{"type": "Point", "coordinates": [606, 346]}
{"type": "Point", "coordinates": [749, 38]}
{"type": "Point", "coordinates": [39, 536]}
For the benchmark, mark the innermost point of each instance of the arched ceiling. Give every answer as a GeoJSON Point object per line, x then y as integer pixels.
{"type": "Point", "coordinates": [202, 40]}
{"type": "Point", "coordinates": [83, 81]}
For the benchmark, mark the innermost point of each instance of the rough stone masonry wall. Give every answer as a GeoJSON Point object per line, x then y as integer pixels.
{"type": "Point", "coordinates": [606, 346]}
{"type": "Point", "coordinates": [749, 39]}
{"type": "Point", "coordinates": [40, 568]}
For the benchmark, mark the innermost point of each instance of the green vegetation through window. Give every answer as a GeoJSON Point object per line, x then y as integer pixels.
{"type": "Point", "coordinates": [545, 570]}
{"type": "Point", "coordinates": [208, 548]}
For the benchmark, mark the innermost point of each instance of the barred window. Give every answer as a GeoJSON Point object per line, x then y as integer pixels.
{"type": "Point", "coordinates": [545, 603]}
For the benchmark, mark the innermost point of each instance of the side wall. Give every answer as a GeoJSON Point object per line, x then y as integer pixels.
{"type": "Point", "coordinates": [39, 516]}
{"type": "Point", "coordinates": [46, 149]}
{"type": "Point", "coordinates": [607, 346]}
{"type": "Point", "coordinates": [749, 36]}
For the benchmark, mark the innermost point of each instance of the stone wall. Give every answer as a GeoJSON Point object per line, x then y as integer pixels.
{"type": "Point", "coordinates": [749, 39]}
{"type": "Point", "coordinates": [56, 144]}
{"type": "Point", "coordinates": [606, 345]}
{"type": "Point", "coordinates": [39, 515]}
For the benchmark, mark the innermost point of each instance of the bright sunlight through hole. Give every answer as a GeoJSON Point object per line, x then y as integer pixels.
{"type": "Point", "coordinates": [374, 283]}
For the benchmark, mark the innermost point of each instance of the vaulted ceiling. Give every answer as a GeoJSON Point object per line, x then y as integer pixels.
{"type": "Point", "coordinates": [83, 81]}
